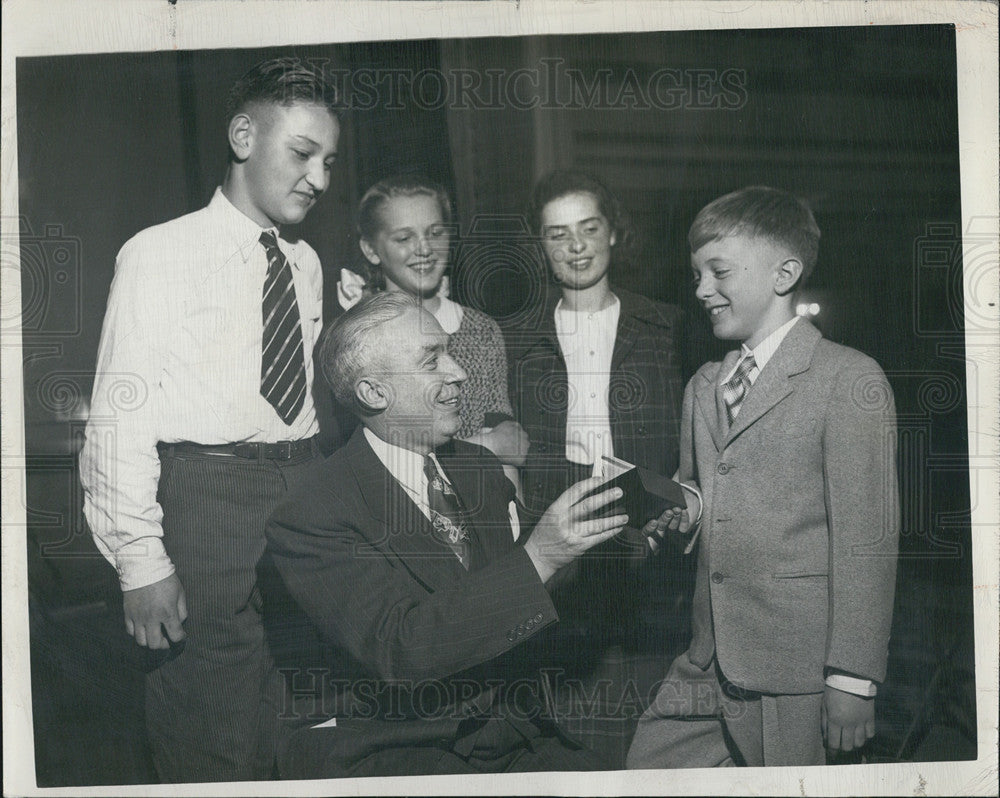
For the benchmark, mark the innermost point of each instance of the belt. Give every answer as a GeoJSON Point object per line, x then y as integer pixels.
{"type": "Point", "coordinates": [282, 450]}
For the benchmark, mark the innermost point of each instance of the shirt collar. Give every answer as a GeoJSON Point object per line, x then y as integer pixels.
{"type": "Point", "coordinates": [405, 465]}
{"type": "Point", "coordinates": [604, 314]}
{"type": "Point", "coordinates": [245, 231]}
{"type": "Point", "coordinates": [765, 350]}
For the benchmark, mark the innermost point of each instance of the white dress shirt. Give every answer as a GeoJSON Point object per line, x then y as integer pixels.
{"type": "Point", "coordinates": [407, 468]}
{"type": "Point", "coordinates": [587, 341]}
{"type": "Point", "coordinates": [762, 353]}
{"type": "Point", "coordinates": [179, 360]}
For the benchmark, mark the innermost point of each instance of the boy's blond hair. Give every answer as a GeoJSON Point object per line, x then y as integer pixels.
{"type": "Point", "coordinates": [763, 212]}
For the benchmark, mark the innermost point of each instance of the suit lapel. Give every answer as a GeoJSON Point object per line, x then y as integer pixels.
{"type": "Point", "coordinates": [543, 352]}
{"type": "Point", "coordinates": [624, 338]}
{"type": "Point", "coordinates": [403, 528]}
{"type": "Point", "coordinates": [792, 357]}
{"type": "Point", "coordinates": [547, 346]}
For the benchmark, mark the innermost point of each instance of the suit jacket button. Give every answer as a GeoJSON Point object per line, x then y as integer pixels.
{"type": "Point", "coordinates": [723, 468]}
{"type": "Point", "coordinates": [717, 578]}
{"type": "Point", "coordinates": [511, 636]}
{"type": "Point", "coordinates": [641, 431]}
{"type": "Point", "coordinates": [538, 617]}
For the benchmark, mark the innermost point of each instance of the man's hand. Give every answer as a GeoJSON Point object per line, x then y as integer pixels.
{"type": "Point", "coordinates": [507, 440]}
{"type": "Point", "coordinates": [154, 613]}
{"type": "Point", "coordinates": [566, 530]}
{"type": "Point", "coordinates": [847, 720]}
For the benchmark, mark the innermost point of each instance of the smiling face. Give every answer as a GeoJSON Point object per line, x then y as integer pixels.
{"type": "Point", "coordinates": [578, 240]}
{"type": "Point", "coordinates": [745, 283]}
{"type": "Point", "coordinates": [411, 244]}
{"type": "Point", "coordinates": [418, 383]}
{"type": "Point", "coordinates": [284, 155]}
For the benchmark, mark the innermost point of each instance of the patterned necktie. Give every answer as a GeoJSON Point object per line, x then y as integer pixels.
{"type": "Point", "coordinates": [282, 363]}
{"type": "Point", "coordinates": [446, 513]}
{"type": "Point", "coordinates": [734, 391]}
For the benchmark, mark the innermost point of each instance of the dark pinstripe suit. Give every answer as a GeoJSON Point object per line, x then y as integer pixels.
{"type": "Point", "coordinates": [450, 646]}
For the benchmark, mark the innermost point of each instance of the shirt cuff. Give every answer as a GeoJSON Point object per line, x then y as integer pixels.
{"type": "Point", "coordinates": [142, 562]}
{"type": "Point", "coordinates": [851, 684]}
{"type": "Point", "coordinates": [692, 488]}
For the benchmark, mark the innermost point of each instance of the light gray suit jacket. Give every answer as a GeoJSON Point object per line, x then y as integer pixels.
{"type": "Point", "coordinates": [797, 556]}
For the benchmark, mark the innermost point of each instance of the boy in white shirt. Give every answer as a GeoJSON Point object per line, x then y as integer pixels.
{"type": "Point", "coordinates": [201, 417]}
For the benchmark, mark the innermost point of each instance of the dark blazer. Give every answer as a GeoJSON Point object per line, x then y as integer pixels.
{"type": "Point", "coordinates": [645, 393]}
{"type": "Point", "coordinates": [797, 559]}
{"type": "Point", "coordinates": [434, 644]}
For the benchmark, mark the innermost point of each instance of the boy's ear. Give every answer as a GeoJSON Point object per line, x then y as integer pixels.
{"type": "Point", "coordinates": [787, 276]}
{"type": "Point", "coordinates": [371, 394]}
{"type": "Point", "coordinates": [241, 136]}
{"type": "Point", "coordinates": [369, 252]}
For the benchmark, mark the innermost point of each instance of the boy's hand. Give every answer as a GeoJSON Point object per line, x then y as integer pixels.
{"type": "Point", "coordinates": [673, 519]}
{"type": "Point", "coordinates": [847, 720]}
{"type": "Point", "coordinates": [154, 614]}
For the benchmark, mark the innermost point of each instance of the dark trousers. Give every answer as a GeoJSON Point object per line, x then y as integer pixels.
{"type": "Point", "coordinates": [212, 708]}
{"type": "Point", "coordinates": [540, 752]}
{"type": "Point", "coordinates": [355, 748]}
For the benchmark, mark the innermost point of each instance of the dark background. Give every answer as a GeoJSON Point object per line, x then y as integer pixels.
{"type": "Point", "coordinates": [860, 121]}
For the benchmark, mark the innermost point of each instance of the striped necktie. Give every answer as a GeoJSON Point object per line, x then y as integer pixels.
{"type": "Point", "coordinates": [735, 391]}
{"type": "Point", "coordinates": [282, 363]}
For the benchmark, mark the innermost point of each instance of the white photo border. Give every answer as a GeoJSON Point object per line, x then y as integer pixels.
{"type": "Point", "coordinates": [66, 27]}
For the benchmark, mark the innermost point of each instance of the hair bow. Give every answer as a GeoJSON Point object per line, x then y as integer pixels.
{"type": "Point", "coordinates": [351, 288]}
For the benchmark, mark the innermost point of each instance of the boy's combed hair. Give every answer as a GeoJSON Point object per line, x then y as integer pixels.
{"type": "Point", "coordinates": [765, 212]}
{"type": "Point", "coordinates": [563, 182]}
{"type": "Point", "coordinates": [369, 220]}
{"type": "Point", "coordinates": [282, 81]}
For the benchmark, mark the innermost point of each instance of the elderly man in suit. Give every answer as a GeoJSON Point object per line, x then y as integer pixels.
{"type": "Point", "coordinates": [408, 553]}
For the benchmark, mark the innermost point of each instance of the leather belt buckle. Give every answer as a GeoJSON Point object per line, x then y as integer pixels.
{"type": "Point", "coordinates": [281, 450]}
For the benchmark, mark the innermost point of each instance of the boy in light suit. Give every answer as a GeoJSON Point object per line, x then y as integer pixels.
{"type": "Point", "coordinates": [791, 439]}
